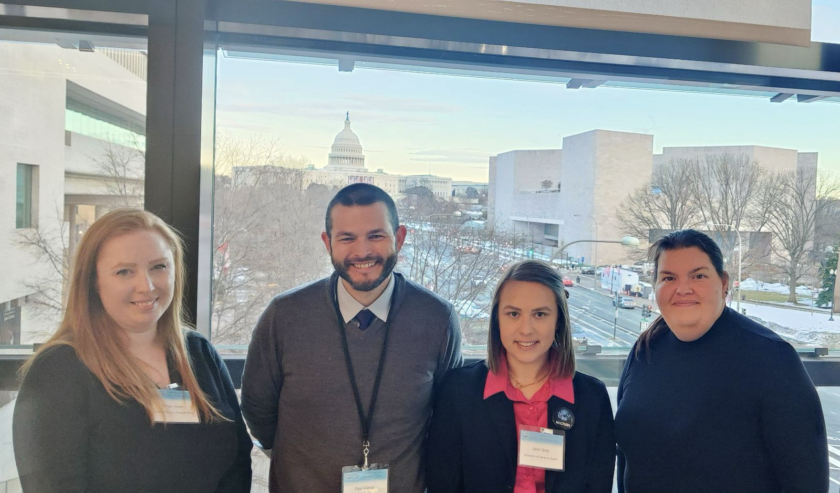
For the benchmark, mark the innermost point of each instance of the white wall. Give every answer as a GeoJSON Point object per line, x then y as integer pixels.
{"type": "Point", "coordinates": [624, 162]}
{"type": "Point", "coordinates": [32, 107]}
{"type": "Point", "coordinates": [32, 102]}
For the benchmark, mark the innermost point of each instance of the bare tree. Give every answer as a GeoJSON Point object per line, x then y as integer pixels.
{"type": "Point", "coordinates": [799, 199]}
{"type": "Point", "coordinates": [266, 237]}
{"type": "Point", "coordinates": [47, 244]}
{"type": "Point", "coordinates": [724, 187]}
{"type": "Point", "coordinates": [460, 263]}
{"type": "Point", "coordinates": [122, 172]}
{"type": "Point", "coordinates": [662, 203]}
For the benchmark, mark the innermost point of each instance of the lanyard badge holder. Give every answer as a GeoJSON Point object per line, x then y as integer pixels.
{"type": "Point", "coordinates": [542, 448]}
{"type": "Point", "coordinates": [177, 407]}
{"type": "Point", "coordinates": [367, 478]}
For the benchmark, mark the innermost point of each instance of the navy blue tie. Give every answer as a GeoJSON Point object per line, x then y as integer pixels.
{"type": "Point", "coordinates": [365, 317]}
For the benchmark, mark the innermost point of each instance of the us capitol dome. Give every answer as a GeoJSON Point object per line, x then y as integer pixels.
{"type": "Point", "coordinates": [346, 152]}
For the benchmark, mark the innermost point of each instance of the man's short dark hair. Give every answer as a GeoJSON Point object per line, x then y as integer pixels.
{"type": "Point", "coordinates": [362, 194]}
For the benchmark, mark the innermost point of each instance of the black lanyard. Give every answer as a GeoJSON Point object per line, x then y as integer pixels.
{"type": "Point", "coordinates": [365, 421]}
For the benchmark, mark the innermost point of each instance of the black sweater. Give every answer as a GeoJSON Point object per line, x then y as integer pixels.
{"type": "Point", "coordinates": [70, 436]}
{"type": "Point", "coordinates": [732, 412]}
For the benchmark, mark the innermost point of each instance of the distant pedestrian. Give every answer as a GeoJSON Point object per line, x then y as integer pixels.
{"type": "Point", "coordinates": [578, 280]}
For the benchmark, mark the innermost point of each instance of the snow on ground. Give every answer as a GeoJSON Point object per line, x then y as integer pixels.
{"type": "Point", "coordinates": [753, 285]}
{"type": "Point", "coordinates": [796, 325]}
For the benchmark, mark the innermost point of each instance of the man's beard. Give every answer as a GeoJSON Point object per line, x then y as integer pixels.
{"type": "Point", "coordinates": [343, 267]}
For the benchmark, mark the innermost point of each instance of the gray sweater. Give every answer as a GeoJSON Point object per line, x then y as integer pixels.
{"type": "Point", "coordinates": [297, 398]}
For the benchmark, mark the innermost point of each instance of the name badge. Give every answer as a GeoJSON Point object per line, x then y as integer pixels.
{"type": "Point", "coordinates": [371, 480]}
{"type": "Point", "coordinates": [177, 407]}
{"type": "Point", "coordinates": [542, 448]}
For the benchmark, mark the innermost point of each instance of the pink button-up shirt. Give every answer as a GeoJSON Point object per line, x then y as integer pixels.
{"type": "Point", "coordinates": [528, 412]}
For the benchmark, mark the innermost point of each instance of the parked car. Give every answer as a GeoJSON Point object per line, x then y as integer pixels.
{"type": "Point", "coordinates": [579, 339]}
{"type": "Point", "coordinates": [468, 249]}
{"type": "Point", "coordinates": [567, 281]}
{"type": "Point", "coordinates": [624, 302]}
{"type": "Point", "coordinates": [479, 281]}
{"type": "Point", "coordinates": [588, 270]}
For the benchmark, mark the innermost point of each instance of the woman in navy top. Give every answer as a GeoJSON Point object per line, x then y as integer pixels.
{"type": "Point", "coordinates": [709, 400]}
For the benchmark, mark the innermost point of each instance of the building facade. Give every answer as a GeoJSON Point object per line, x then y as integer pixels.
{"type": "Point", "coordinates": [74, 150]}
{"type": "Point", "coordinates": [556, 196]}
{"type": "Point", "coordinates": [559, 196]}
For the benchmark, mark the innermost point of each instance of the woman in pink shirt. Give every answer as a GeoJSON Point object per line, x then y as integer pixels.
{"type": "Point", "coordinates": [524, 421]}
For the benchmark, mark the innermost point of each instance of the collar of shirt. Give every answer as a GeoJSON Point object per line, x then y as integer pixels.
{"type": "Point", "coordinates": [349, 307]}
{"type": "Point", "coordinates": [495, 383]}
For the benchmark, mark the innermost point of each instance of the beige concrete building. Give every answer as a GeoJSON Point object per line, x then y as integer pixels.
{"type": "Point", "coordinates": [773, 159]}
{"type": "Point", "coordinates": [440, 186]}
{"type": "Point", "coordinates": [556, 196]}
{"type": "Point", "coordinates": [559, 196]}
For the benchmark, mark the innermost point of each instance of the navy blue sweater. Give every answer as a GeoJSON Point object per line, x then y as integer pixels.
{"type": "Point", "coordinates": [732, 412]}
{"type": "Point", "coordinates": [70, 436]}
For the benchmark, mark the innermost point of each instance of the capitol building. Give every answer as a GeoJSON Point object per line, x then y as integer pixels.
{"type": "Point", "coordinates": [346, 165]}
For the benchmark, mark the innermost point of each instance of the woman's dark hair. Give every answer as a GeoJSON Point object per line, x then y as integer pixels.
{"type": "Point", "coordinates": [685, 238]}
{"type": "Point", "coordinates": [561, 355]}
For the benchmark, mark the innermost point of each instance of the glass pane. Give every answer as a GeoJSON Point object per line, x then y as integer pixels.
{"type": "Point", "coordinates": [23, 211]}
{"type": "Point", "coordinates": [488, 169]}
{"type": "Point", "coordinates": [74, 122]}
{"type": "Point", "coordinates": [825, 21]}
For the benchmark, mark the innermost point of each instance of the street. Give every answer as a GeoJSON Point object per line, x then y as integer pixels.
{"type": "Point", "coordinates": [604, 324]}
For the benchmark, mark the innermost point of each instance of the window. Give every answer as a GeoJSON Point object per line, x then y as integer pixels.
{"type": "Point", "coordinates": [275, 145]}
{"type": "Point", "coordinates": [24, 193]}
{"type": "Point", "coordinates": [279, 115]}
{"type": "Point", "coordinates": [77, 137]}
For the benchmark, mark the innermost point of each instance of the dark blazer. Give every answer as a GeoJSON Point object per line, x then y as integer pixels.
{"type": "Point", "coordinates": [472, 443]}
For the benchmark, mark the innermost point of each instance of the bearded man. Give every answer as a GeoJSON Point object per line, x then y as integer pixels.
{"type": "Point", "coordinates": [341, 373]}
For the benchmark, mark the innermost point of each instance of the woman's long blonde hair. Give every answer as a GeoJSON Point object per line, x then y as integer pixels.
{"type": "Point", "coordinates": [94, 335]}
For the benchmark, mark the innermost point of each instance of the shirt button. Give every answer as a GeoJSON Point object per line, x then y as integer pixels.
{"type": "Point", "coordinates": [531, 408]}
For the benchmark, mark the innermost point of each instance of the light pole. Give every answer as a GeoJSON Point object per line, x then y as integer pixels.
{"type": "Point", "coordinates": [740, 258]}
{"type": "Point", "coordinates": [594, 260]}
{"type": "Point", "coordinates": [631, 241]}
{"type": "Point", "coordinates": [833, 292]}
{"type": "Point", "coordinates": [612, 275]}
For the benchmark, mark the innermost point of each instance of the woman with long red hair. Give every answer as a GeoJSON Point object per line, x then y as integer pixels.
{"type": "Point", "coordinates": [124, 397]}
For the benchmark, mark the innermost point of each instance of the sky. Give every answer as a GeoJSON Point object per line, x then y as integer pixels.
{"type": "Point", "coordinates": [413, 123]}
{"type": "Point", "coordinates": [825, 21]}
